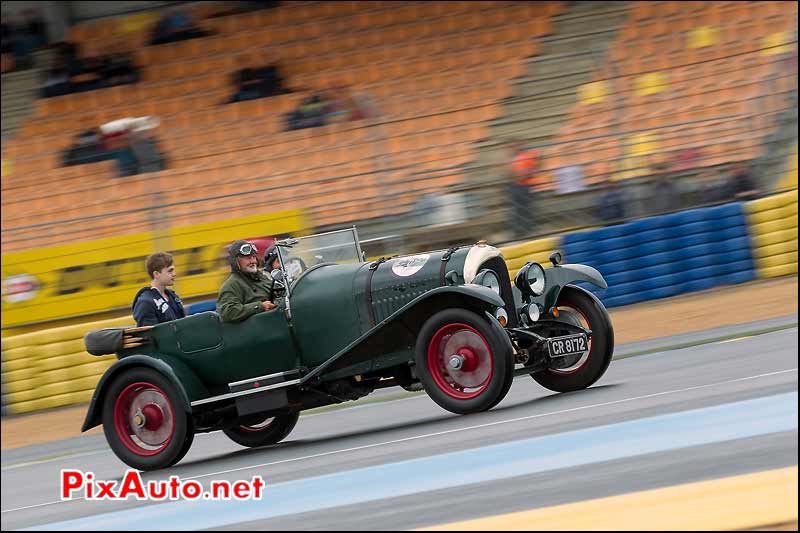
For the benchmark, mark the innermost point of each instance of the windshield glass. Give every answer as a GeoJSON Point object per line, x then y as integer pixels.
{"type": "Point", "coordinates": [334, 247]}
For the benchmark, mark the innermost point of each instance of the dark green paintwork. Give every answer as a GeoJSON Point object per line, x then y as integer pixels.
{"type": "Point", "coordinates": [559, 276]}
{"type": "Point", "coordinates": [340, 325]}
{"type": "Point", "coordinates": [324, 315]}
{"type": "Point", "coordinates": [187, 383]}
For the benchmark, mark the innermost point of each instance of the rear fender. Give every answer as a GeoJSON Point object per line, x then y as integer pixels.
{"type": "Point", "coordinates": [187, 383]}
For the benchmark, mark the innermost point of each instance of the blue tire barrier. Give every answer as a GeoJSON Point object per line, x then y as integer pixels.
{"type": "Point", "coordinates": [738, 277]}
{"type": "Point", "coordinates": [706, 272]}
{"type": "Point", "coordinates": [734, 232]}
{"type": "Point", "coordinates": [697, 238]}
{"type": "Point", "coordinates": [615, 267]}
{"type": "Point", "coordinates": [701, 284]}
{"type": "Point", "coordinates": [726, 210]}
{"type": "Point", "coordinates": [662, 256]}
{"type": "Point", "coordinates": [626, 299]}
{"type": "Point", "coordinates": [201, 307]}
{"type": "Point", "coordinates": [695, 227]}
{"type": "Point", "coordinates": [698, 261]}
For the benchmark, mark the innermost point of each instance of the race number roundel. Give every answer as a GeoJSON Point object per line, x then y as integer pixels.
{"type": "Point", "coordinates": [408, 266]}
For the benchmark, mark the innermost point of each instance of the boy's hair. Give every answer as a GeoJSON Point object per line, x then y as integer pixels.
{"type": "Point", "coordinates": [157, 261]}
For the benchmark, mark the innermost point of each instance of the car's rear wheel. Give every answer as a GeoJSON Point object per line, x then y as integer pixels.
{"type": "Point", "coordinates": [269, 431]}
{"type": "Point", "coordinates": [463, 365]}
{"type": "Point", "coordinates": [144, 422]}
{"type": "Point", "coordinates": [581, 308]}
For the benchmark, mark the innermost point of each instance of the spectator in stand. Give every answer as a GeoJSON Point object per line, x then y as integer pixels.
{"type": "Point", "coordinates": [88, 148]}
{"type": "Point", "coordinates": [36, 28]}
{"type": "Point", "coordinates": [612, 204]}
{"type": "Point", "coordinates": [742, 183]}
{"type": "Point", "coordinates": [524, 176]}
{"type": "Point", "coordinates": [118, 69]}
{"type": "Point", "coordinates": [145, 146]}
{"type": "Point", "coordinates": [20, 38]}
{"type": "Point", "coordinates": [310, 113]}
{"type": "Point", "coordinates": [176, 25]}
{"type": "Point", "coordinates": [129, 141]}
{"type": "Point", "coordinates": [58, 79]}
{"type": "Point", "coordinates": [259, 82]}
{"type": "Point", "coordinates": [570, 179]}
{"type": "Point", "coordinates": [665, 195]}
{"type": "Point", "coordinates": [71, 74]}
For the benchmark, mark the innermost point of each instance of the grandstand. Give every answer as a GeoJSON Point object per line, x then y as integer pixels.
{"type": "Point", "coordinates": [612, 86]}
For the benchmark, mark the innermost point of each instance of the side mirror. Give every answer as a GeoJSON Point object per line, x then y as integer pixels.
{"type": "Point", "coordinates": [277, 274]}
{"type": "Point", "coordinates": [555, 258]}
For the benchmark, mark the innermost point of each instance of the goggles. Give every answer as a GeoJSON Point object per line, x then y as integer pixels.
{"type": "Point", "coordinates": [247, 249]}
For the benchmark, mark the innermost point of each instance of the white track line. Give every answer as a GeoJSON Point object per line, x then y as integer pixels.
{"type": "Point", "coordinates": [449, 431]}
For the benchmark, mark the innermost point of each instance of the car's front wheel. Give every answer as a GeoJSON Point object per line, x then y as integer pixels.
{"type": "Point", "coordinates": [581, 308]}
{"type": "Point", "coordinates": [463, 364]}
{"type": "Point", "coordinates": [269, 431]}
{"type": "Point", "coordinates": [144, 422]}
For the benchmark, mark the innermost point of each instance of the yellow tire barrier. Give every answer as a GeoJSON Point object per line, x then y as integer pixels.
{"type": "Point", "coordinates": [539, 250]}
{"type": "Point", "coordinates": [73, 372]}
{"type": "Point", "coordinates": [773, 234]}
{"type": "Point", "coordinates": [532, 247]}
{"type": "Point", "coordinates": [779, 248]}
{"type": "Point", "coordinates": [778, 271]}
{"type": "Point", "coordinates": [16, 364]}
{"type": "Point", "coordinates": [52, 402]}
{"type": "Point", "coordinates": [23, 352]}
{"type": "Point", "coordinates": [68, 360]}
{"type": "Point", "coordinates": [50, 368]}
{"type": "Point", "coordinates": [775, 237]}
{"type": "Point", "coordinates": [777, 260]}
{"type": "Point", "coordinates": [19, 385]}
{"type": "Point", "coordinates": [766, 204]}
{"type": "Point", "coordinates": [542, 258]}
{"type": "Point", "coordinates": [19, 375]}
{"type": "Point", "coordinates": [53, 389]}
{"type": "Point", "coordinates": [63, 347]}
{"type": "Point", "coordinates": [771, 226]}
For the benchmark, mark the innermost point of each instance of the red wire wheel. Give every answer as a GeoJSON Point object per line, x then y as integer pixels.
{"type": "Point", "coordinates": [145, 422]}
{"type": "Point", "coordinates": [464, 360]}
{"type": "Point", "coordinates": [270, 430]}
{"type": "Point", "coordinates": [460, 361]}
{"type": "Point", "coordinates": [144, 419]}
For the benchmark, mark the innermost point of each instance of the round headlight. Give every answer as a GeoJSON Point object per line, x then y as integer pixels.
{"type": "Point", "coordinates": [533, 312]}
{"type": "Point", "coordinates": [535, 278]}
{"type": "Point", "coordinates": [488, 278]}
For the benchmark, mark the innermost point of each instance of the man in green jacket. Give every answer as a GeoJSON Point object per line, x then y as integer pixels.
{"type": "Point", "coordinates": [247, 291]}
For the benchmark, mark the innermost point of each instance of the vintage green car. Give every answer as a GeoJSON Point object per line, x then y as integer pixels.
{"type": "Point", "coordinates": [448, 321]}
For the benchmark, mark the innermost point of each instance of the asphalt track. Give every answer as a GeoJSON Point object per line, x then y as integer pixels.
{"type": "Point", "coordinates": [708, 411]}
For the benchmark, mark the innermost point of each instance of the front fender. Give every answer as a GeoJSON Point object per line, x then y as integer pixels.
{"type": "Point", "coordinates": [397, 332]}
{"type": "Point", "coordinates": [560, 276]}
{"type": "Point", "coordinates": [185, 380]}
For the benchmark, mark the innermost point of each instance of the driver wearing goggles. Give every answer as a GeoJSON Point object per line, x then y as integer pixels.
{"type": "Point", "coordinates": [248, 290]}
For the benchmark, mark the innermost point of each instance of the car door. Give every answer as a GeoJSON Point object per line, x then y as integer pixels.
{"type": "Point", "coordinates": [258, 346]}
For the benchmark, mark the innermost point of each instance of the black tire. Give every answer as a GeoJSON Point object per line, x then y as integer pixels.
{"type": "Point", "coordinates": [601, 349]}
{"type": "Point", "coordinates": [272, 433]}
{"type": "Point", "coordinates": [145, 385]}
{"type": "Point", "coordinates": [495, 360]}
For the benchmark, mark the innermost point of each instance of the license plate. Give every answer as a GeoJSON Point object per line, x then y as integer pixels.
{"type": "Point", "coordinates": [569, 345]}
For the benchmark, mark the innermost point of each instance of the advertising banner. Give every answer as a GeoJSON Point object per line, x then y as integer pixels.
{"type": "Point", "coordinates": [76, 279]}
